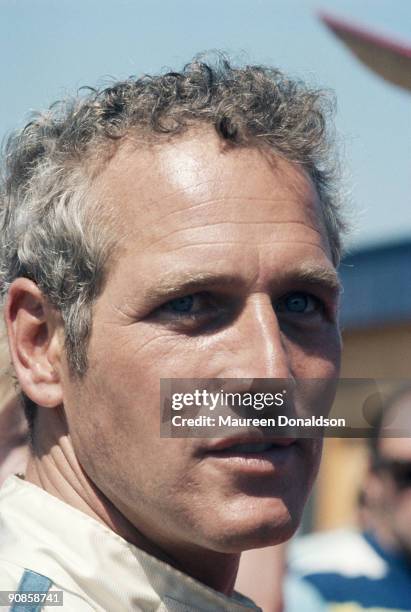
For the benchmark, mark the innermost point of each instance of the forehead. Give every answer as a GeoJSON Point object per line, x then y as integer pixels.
{"type": "Point", "coordinates": [194, 206]}
{"type": "Point", "coordinates": [198, 192]}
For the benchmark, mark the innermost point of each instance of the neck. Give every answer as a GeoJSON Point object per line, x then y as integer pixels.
{"type": "Point", "coordinates": [54, 467]}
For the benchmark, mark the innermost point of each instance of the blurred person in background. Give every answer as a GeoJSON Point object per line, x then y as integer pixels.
{"type": "Point", "coordinates": [370, 568]}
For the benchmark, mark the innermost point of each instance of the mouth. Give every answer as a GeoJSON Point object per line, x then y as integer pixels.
{"type": "Point", "coordinates": [251, 455]}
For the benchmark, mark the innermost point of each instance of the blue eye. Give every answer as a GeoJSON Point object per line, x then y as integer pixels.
{"type": "Point", "coordinates": [299, 303]}
{"type": "Point", "coordinates": [188, 309]}
{"type": "Point", "coordinates": [183, 304]}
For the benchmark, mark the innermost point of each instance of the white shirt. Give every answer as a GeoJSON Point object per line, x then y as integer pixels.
{"type": "Point", "coordinates": [95, 567]}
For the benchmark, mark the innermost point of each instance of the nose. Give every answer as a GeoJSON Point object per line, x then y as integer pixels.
{"type": "Point", "coordinates": [261, 351]}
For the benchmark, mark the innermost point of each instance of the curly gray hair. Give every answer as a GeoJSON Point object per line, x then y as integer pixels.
{"type": "Point", "coordinates": [49, 231]}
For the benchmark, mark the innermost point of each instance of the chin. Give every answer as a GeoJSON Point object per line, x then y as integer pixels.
{"type": "Point", "coordinates": [258, 530]}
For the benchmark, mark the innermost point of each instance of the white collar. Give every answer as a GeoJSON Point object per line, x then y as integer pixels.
{"type": "Point", "coordinates": [43, 533]}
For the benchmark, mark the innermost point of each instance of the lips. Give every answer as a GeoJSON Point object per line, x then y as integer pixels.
{"type": "Point", "coordinates": [254, 455]}
{"type": "Point", "coordinates": [247, 444]}
{"type": "Point", "coordinates": [251, 448]}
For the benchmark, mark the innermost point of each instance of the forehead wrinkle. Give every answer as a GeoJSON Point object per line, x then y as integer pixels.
{"type": "Point", "coordinates": [177, 192]}
{"type": "Point", "coordinates": [239, 242]}
{"type": "Point", "coordinates": [219, 223]}
{"type": "Point", "coordinates": [206, 202]}
{"type": "Point", "coordinates": [293, 188]}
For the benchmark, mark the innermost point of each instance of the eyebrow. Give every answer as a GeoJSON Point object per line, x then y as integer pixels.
{"type": "Point", "coordinates": [318, 275]}
{"type": "Point", "coordinates": [191, 282]}
{"type": "Point", "coordinates": [311, 274]}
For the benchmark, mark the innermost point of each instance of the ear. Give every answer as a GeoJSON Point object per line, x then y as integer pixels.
{"type": "Point", "coordinates": [35, 341]}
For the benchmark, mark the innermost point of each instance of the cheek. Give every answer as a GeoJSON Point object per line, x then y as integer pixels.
{"type": "Point", "coordinates": [142, 354]}
{"type": "Point", "coordinates": [117, 439]}
{"type": "Point", "coordinates": [318, 356]}
{"type": "Point", "coordinates": [115, 413]}
{"type": "Point", "coordinates": [332, 352]}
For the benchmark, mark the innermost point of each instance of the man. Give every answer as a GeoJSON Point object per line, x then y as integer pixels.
{"type": "Point", "coordinates": [182, 225]}
{"type": "Point", "coordinates": [368, 569]}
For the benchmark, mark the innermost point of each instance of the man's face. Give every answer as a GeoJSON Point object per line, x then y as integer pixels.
{"type": "Point", "coordinates": [238, 235]}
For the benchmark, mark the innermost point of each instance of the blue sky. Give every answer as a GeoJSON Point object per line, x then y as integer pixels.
{"type": "Point", "coordinates": [49, 48]}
